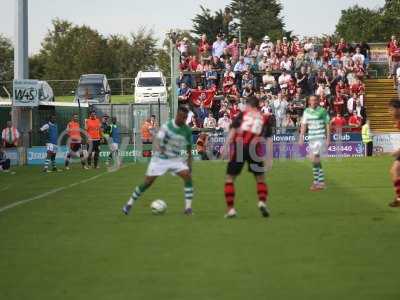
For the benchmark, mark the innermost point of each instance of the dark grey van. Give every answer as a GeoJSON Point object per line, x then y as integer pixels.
{"type": "Point", "coordinates": [93, 88]}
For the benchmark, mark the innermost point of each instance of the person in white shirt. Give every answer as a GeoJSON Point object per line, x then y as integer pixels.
{"type": "Point", "coordinates": [224, 123]}
{"type": "Point", "coordinates": [183, 46]}
{"type": "Point", "coordinates": [268, 80]}
{"type": "Point", "coordinates": [264, 64]}
{"type": "Point", "coordinates": [323, 90]}
{"type": "Point", "coordinates": [210, 122]}
{"type": "Point", "coordinates": [10, 136]}
{"type": "Point", "coordinates": [240, 65]}
{"type": "Point", "coordinates": [398, 80]}
{"type": "Point", "coordinates": [218, 47]}
{"type": "Point", "coordinates": [358, 56]}
{"type": "Point", "coordinates": [189, 117]}
{"type": "Point", "coordinates": [284, 79]}
{"type": "Point", "coordinates": [309, 48]}
{"type": "Point", "coordinates": [351, 104]}
{"type": "Point", "coordinates": [359, 108]}
{"type": "Point", "coordinates": [286, 64]}
{"type": "Point", "coordinates": [267, 46]}
{"type": "Point", "coordinates": [280, 106]}
{"type": "Point", "coordinates": [266, 108]}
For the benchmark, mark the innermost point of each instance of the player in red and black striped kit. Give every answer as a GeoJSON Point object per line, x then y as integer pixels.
{"type": "Point", "coordinates": [395, 170]}
{"type": "Point", "coordinates": [249, 141]}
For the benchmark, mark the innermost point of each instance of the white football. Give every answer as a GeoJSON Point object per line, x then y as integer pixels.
{"type": "Point", "coordinates": [158, 207]}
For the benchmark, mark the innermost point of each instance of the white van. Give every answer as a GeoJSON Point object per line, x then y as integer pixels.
{"type": "Point", "coordinates": [150, 87]}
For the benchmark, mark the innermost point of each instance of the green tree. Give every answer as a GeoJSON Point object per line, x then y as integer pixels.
{"type": "Point", "coordinates": [210, 23]}
{"type": "Point", "coordinates": [120, 55]}
{"type": "Point", "coordinates": [69, 51]}
{"type": "Point", "coordinates": [6, 59]}
{"type": "Point", "coordinates": [163, 62]}
{"type": "Point", "coordinates": [257, 18]}
{"type": "Point", "coordinates": [390, 20]}
{"type": "Point", "coordinates": [37, 64]}
{"type": "Point", "coordinates": [144, 51]}
{"type": "Point", "coordinates": [358, 24]}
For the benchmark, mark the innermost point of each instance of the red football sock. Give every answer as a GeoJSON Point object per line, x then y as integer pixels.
{"type": "Point", "coordinates": [229, 194]}
{"type": "Point", "coordinates": [397, 188]}
{"type": "Point", "coordinates": [262, 191]}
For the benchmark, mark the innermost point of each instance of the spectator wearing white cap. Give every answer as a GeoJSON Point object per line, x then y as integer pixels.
{"type": "Point", "coordinates": [267, 46]}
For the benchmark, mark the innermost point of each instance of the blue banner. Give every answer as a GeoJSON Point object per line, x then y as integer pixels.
{"type": "Point", "coordinates": [335, 137]}
{"type": "Point", "coordinates": [13, 155]}
{"type": "Point", "coordinates": [37, 155]}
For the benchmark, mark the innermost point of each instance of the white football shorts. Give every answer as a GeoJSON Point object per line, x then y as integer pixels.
{"type": "Point", "coordinates": [114, 147]}
{"type": "Point", "coordinates": [317, 147]}
{"type": "Point", "coordinates": [158, 166]}
{"type": "Point", "coordinates": [51, 148]}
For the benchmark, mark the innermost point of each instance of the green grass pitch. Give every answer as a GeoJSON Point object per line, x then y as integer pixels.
{"type": "Point", "coordinates": [75, 243]}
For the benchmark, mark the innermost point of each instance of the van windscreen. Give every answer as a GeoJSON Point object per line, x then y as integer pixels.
{"type": "Point", "coordinates": [150, 81]}
{"type": "Point", "coordinates": [90, 90]}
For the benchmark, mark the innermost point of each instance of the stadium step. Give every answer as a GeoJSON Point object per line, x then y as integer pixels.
{"type": "Point", "coordinates": [379, 92]}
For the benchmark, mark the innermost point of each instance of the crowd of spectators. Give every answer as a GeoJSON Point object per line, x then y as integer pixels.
{"type": "Point", "coordinates": [282, 74]}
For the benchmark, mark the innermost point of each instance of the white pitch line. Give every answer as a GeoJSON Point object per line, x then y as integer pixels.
{"type": "Point", "coordinates": [5, 188]}
{"type": "Point", "coordinates": [18, 203]}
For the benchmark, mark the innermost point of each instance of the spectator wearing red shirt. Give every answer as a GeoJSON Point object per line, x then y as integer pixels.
{"type": "Point", "coordinates": [338, 123]}
{"type": "Point", "coordinates": [233, 48]}
{"type": "Point", "coordinates": [193, 63]}
{"type": "Point", "coordinates": [395, 58]}
{"type": "Point", "coordinates": [358, 88]}
{"type": "Point", "coordinates": [285, 47]}
{"type": "Point", "coordinates": [184, 65]}
{"type": "Point", "coordinates": [327, 46]}
{"type": "Point", "coordinates": [234, 111]}
{"type": "Point", "coordinates": [204, 47]}
{"type": "Point", "coordinates": [278, 48]}
{"type": "Point", "coordinates": [359, 69]}
{"type": "Point", "coordinates": [229, 87]}
{"type": "Point", "coordinates": [342, 47]}
{"type": "Point", "coordinates": [341, 96]}
{"type": "Point", "coordinates": [342, 89]}
{"type": "Point", "coordinates": [355, 122]}
{"type": "Point", "coordinates": [296, 47]}
{"type": "Point", "coordinates": [390, 49]}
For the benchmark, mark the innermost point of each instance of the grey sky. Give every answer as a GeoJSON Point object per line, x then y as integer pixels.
{"type": "Point", "coordinates": [307, 17]}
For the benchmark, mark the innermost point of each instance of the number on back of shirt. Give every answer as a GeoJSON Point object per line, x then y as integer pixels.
{"type": "Point", "coordinates": [252, 123]}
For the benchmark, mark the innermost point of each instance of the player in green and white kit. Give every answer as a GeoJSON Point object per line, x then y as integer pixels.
{"type": "Point", "coordinates": [316, 122]}
{"type": "Point", "coordinates": [173, 139]}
